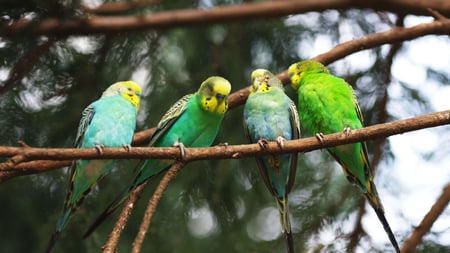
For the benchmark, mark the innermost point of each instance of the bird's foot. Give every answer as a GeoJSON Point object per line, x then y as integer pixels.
{"type": "Point", "coordinates": [280, 141]}
{"type": "Point", "coordinates": [262, 143]}
{"type": "Point", "coordinates": [127, 147]}
{"type": "Point", "coordinates": [347, 131]}
{"type": "Point", "coordinates": [99, 148]}
{"type": "Point", "coordinates": [319, 137]}
{"type": "Point", "coordinates": [182, 148]}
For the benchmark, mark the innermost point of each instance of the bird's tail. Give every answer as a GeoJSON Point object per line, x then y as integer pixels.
{"type": "Point", "coordinates": [62, 221]}
{"type": "Point", "coordinates": [374, 201]}
{"type": "Point", "coordinates": [285, 223]}
{"type": "Point", "coordinates": [52, 241]}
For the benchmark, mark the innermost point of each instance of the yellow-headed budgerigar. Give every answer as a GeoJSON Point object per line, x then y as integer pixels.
{"type": "Point", "coordinates": [270, 115]}
{"type": "Point", "coordinates": [108, 122]}
{"type": "Point", "coordinates": [327, 104]}
{"type": "Point", "coordinates": [193, 121]}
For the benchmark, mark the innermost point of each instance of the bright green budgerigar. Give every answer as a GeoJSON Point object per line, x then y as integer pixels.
{"type": "Point", "coordinates": [193, 121]}
{"type": "Point", "coordinates": [108, 122]}
{"type": "Point", "coordinates": [327, 104]}
{"type": "Point", "coordinates": [270, 115]}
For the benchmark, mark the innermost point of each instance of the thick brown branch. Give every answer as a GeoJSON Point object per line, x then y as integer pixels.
{"type": "Point", "coordinates": [230, 13]}
{"type": "Point", "coordinates": [232, 151]}
{"type": "Point", "coordinates": [153, 203]}
{"type": "Point", "coordinates": [424, 227]}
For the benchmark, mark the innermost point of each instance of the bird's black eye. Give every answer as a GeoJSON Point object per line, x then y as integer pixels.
{"type": "Point", "coordinates": [208, 98]}
{"type": "Point", "coordinates": [129, 89]}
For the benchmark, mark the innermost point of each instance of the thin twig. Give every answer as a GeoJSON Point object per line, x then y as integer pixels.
{"type": "Point", "coordinates": [153, 203]}
{"type": "Point", "coordinates": [114, 236]}
{"type": "Point", "coordinates": [410, 245]}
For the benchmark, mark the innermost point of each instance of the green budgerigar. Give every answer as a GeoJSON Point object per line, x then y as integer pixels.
{"type": "Point", "coordinates": [108, 122]}
{"type": "Point", "coordinates": [270, 115]}
{"type": "Point", "coordinates": [327, 104]}
{"type": "Point", "coordinates": [193, 121]}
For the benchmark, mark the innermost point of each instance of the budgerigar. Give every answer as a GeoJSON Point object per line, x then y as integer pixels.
{"type": "Point", "coordinates": [270, 115]}
{"type": "Point", "coordinates": [108, 122]}
{"type": "Point", "coordinates": [193, 121]}
{"type": "Point", "coordinates": [327, 104]}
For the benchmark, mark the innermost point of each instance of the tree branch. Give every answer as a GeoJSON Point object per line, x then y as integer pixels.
{"type": "Point", "coordinates": [153, 203]}
{"type": "Point", "coordinates": [116, 232]}
{"type": "Point", "coordinates": [409, 246]}
{"type": "Point", "coordinates": [230, 13]}
{"type": "Point", "coordinates": [220, 152]}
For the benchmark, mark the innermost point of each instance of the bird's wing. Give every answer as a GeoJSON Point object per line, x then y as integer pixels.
{"type": "Point", "coordinates": [169, 118]}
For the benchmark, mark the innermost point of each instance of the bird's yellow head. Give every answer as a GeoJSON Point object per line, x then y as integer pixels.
{"type": "Point", "coordinates": [297, 71]}
{"type": "Point", "coordinates": [130, 90]}
{"type": "Point", "coordinates": [264, 81]}
{"type": "Point", "coordinates": [213, 94]}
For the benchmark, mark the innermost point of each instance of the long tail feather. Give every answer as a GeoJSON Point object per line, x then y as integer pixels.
{"type": "Point", "coordinates": [289, 242]}
{"type": "Point", "coordinates": [374, 201]}
{"type": "Point", "coordinates": [52, 241]}
{"type": "Point", "coordinates": [285, 223]}
{"type": "Point", "coordinates": [62, 222]}
{"type": "Point", "coordinates": [105, 214]}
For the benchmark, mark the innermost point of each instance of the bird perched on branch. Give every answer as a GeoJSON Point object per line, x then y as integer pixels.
{"type": "Point", "coordinates": [270, 115]}
{"type": "Point", "coordinates": [327, 104]}
{"type": "Point", "coordinates": [108, 122]}
{"type": "Point", "coordinates": [193, 121]}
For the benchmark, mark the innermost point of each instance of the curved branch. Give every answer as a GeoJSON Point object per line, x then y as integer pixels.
{"type": "Point", "coordinates": [221, 151]}
{"type": "Point", "coordinates": [436, 210]}
{"type": "Point", "coordinates": [116, 232]}
{"type": "Point", "coordinates": [229, 13]}
{"type": "Point", "coordinates": [153, 203]}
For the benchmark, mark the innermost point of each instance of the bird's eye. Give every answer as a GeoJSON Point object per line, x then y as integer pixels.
{"type": "Point", "coordinates": [208, 98]}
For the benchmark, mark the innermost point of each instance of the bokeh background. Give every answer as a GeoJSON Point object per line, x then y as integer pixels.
{"type": "Point", "coordinates": [223, 206]}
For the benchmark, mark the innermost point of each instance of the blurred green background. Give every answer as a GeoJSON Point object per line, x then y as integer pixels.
{"type": "Point", "coordinates": [217, 206]}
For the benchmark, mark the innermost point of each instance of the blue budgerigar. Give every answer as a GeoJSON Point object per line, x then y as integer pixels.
{"type": "Point", "coordinates": [270, 115]}
{"type": "Point", "coordinates": [108, 122]}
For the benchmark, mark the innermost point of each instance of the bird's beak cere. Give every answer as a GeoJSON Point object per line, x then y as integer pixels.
{"type": "Point", "coordinates": [220, 96]}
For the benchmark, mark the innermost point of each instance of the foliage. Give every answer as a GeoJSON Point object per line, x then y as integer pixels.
{"type": "Point", "coordinates": [44, 107]}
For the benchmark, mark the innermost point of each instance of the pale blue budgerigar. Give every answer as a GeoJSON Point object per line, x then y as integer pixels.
{"type": "Point", "coordinates": [108, 122]}
{"type": "Point", "coordinates": [270, 115]}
